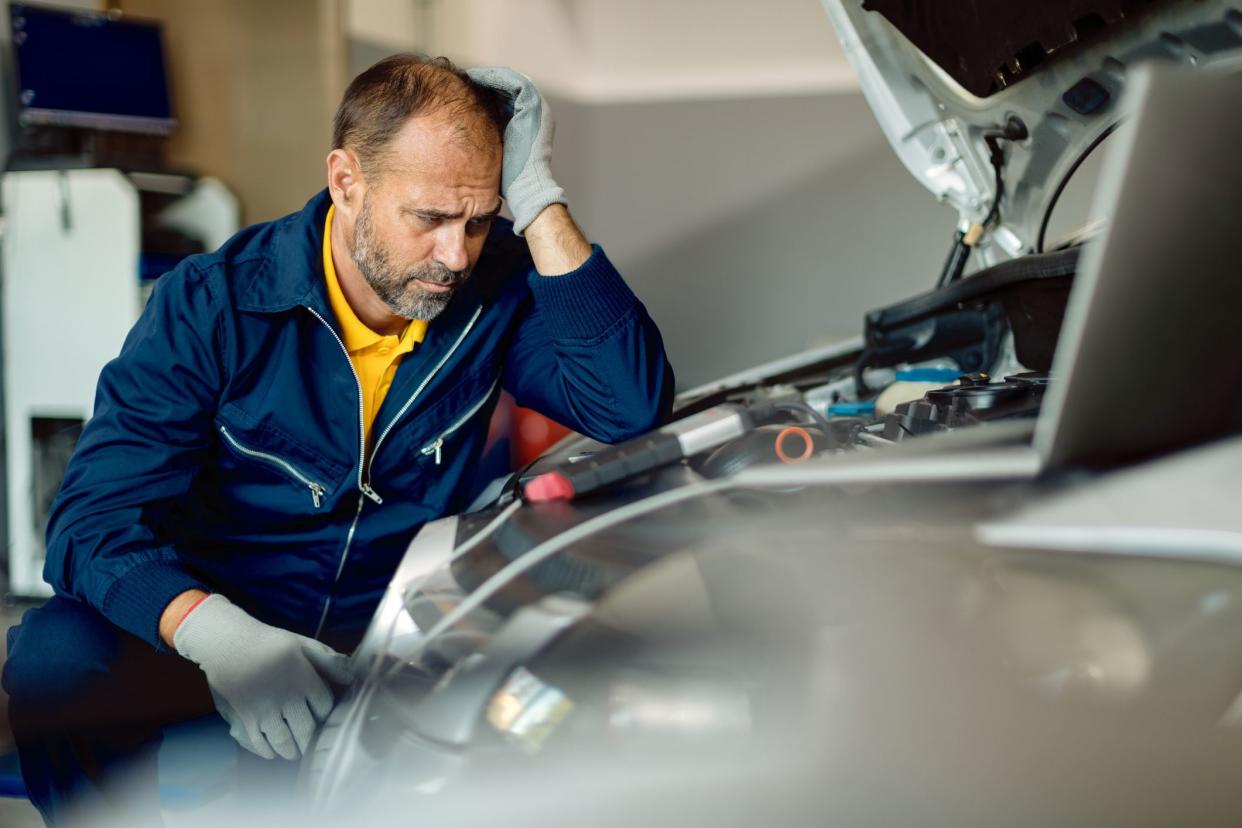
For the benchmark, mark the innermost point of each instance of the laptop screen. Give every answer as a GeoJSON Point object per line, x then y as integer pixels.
{"type": "Point", "coordinates": [1150, 355]}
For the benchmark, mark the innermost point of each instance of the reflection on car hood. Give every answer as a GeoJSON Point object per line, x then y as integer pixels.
{"type": "Point", "coordinates": [939, 75]}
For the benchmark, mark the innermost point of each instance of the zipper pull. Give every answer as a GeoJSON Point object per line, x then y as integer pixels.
{"type": "Point", "coordinates": [371, 493]}
{"type": "Point", "coordinates": [316, 493]}
{"type": "Point", "coordinates": [434, 448]}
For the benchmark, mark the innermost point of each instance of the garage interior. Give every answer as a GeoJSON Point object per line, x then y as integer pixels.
{"type": "Point", "coordinates": [723, 152]}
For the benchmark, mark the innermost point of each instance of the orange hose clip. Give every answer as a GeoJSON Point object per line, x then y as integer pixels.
{"type": "Point", "coordinates": [808, 445]}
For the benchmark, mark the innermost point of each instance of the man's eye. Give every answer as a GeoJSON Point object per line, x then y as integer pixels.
{"type": "Point", "coordinates": [476, 226]}
{"type": "Point", "coordinates": [426, 221]}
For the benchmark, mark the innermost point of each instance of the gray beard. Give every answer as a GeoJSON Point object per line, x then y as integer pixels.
{"type": "Point", "coordinates": [398, 289]}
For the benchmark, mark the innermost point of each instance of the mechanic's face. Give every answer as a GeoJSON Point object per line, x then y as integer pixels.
{"type": "Point", "coordinates": [422, 224]}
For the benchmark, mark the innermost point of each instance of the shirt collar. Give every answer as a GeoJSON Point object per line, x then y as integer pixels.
{"type": "Point", "coordinates": [354, 332]}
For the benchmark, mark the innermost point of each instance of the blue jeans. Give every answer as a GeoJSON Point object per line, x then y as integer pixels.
{"type": "Point", "coordinates": [87, 702]}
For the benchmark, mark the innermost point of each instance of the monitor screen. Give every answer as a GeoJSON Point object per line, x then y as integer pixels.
{"type": "Point", "coordinates": [83, 69]}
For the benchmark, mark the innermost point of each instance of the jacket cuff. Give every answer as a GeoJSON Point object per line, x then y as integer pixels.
{"type": "Point", "coordinates": [137, 599]}
{"type": "Point", "coordinates": [584, 303]}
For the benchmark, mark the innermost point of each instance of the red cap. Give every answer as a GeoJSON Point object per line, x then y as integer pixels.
{"type": "Point", "coordinates": [548, 486]}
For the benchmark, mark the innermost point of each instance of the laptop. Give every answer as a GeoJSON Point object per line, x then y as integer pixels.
{"type": "Point", "coordinates": [1150, 355]}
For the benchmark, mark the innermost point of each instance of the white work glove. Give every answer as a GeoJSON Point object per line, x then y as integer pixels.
{"type": "Point", "coordinates": [526, 177]}
{"type": "Point", "coordinates": [269, 684]}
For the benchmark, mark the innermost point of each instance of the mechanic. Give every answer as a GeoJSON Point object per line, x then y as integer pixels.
{"type": "Point", "coordinates": [291, 408]}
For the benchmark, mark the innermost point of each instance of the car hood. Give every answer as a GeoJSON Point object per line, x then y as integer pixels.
{"type": "Point", "coordinates": [941, 76]}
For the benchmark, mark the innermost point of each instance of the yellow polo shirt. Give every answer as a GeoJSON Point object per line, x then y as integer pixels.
{"type": "Point", "coordinates": [375, 356]}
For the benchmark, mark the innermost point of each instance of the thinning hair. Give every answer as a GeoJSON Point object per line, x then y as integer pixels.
{"type": "Point", "coordinates": [382, 99]}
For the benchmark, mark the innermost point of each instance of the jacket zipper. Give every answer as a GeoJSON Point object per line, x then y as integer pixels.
{"type": "Point", "coordinates": [340, 566]}
{"type": "Point", "coordinates": [364, 489]}
{"type": "Point", "coordinates": [364, 465]}
{"type": "Point", "coordinates": [362, 435]}
{"type": "Point", "coordinates": [436, 445]}
{"type": "Point", "coordinates": [316, 489]}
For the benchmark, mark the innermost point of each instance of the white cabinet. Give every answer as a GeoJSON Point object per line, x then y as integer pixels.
{"type": "Point", "coordinates": [71, 291]}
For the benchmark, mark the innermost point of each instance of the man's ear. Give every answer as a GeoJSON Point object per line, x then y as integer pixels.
{"type": "Point", "coordinates": [346, 183]}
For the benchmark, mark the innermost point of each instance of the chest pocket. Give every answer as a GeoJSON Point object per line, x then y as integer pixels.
{"type": "Point", "coordinates": [435, 448]}
{"type": "Point", "coordinates": [256, 462]}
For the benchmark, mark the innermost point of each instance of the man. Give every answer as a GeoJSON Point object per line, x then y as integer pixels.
{"type": "Point", "coordinates": [292, 407]}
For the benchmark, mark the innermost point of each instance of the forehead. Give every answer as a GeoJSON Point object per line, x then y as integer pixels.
{"type": "Point", "coordinates": [439, 157]}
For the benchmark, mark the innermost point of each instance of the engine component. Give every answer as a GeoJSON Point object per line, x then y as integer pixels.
{"type": "Point", "coordinates": [770, 444]}
{"type": "Point", "coordinates": [975, 399]}
{"type": "Point", "coordinates": [673, 442]}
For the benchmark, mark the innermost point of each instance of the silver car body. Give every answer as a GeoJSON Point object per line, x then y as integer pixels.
{"type": "Point", "coordinates": [936, 631]}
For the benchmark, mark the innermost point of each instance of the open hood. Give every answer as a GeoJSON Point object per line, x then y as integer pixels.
{"type": "Point", "coordinates": [957, 86]}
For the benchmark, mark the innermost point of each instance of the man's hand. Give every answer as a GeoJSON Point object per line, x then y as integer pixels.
{"type": "Point", "coordinates": [526, 177]}
{"type": "Point", "coordinates": [536, 201]}
{"type": "Point", "coordinates": [269, 684]}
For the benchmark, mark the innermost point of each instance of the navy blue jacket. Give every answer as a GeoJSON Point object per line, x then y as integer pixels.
{"type": "Point", "coordinates": [225, 450]}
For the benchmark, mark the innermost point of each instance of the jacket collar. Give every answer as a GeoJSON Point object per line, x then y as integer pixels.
{"type": "Point", "coordinates": [291, 272]}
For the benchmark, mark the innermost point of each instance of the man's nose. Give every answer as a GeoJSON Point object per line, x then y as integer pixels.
{"type": "Point", "coordinates": [451, 247]}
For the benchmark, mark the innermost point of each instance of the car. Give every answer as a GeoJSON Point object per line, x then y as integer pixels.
{"type": "Point", "coordinates": [978, 565]}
